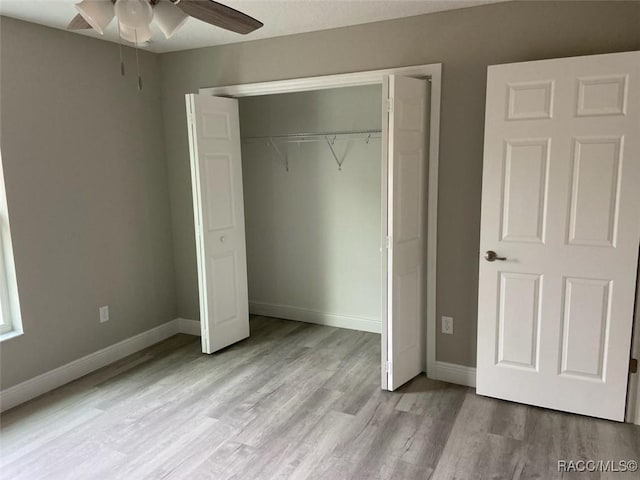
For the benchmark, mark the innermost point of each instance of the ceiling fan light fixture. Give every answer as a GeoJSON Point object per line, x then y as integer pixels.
{"type": "Point", "coordinates": [134, 14]}
{"type": "Point", "coordinates": [97, 13]}
{"type": "Point", "coordinates": [135, 35]}
{"type": "Point", "coordinates": [168, 17]}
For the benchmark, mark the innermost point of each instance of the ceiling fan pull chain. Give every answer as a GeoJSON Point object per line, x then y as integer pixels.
{"type": "Point", "coordinates": [138, 63]}
{"type": "Point", "coordinates": [120, 45]}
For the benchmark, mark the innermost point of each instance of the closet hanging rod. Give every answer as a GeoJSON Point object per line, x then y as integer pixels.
{"type": "Point", "coordinates": [327, 137]}
{"type": "Point", "coordinates": [321, 136]}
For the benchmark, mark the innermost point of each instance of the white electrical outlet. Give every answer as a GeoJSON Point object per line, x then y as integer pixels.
{"type": "Point", "coordinates": [104, 314]}
{"type": "Point", "coordinates": [447, 325]}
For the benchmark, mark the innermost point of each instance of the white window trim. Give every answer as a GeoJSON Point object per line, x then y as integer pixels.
{"type": "Point", "coordinates": [9, 300]}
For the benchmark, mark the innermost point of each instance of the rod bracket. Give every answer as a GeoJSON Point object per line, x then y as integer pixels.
{"type": "Point", "coordinates": [283, 156]}
{"type": "Point", "coordinates": [333, 152]}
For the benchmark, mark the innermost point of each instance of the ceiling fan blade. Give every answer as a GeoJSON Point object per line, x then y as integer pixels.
{"type": "Point", "coordinates": [78, 23]}
{"type": "Point", "coordinates": [219, 15]}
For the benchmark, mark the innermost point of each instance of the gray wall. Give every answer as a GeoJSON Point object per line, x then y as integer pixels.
{"type": "Point", "coordinates": [466, 41]}
{"type": "Point", "coordinates": [88, 196]}
{"type": "Point", "coordinates": [313, 233]}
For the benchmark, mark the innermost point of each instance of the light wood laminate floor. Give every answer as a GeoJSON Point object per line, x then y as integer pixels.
{"type": "Point", "coordinates": [294, 401]}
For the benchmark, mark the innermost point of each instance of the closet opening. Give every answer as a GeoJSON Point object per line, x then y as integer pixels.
{"type": "Point", "coordinates": [311, 170]}
{"type": "Point", "coordinates": [315, 200]}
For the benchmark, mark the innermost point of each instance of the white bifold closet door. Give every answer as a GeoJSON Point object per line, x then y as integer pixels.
{"type": "Point", "coordinates": [220, 233]}
{"type": "Point", "coordinates": [406, 218]}
{"type": "Point", "coordinates": [216, 174]}
{"type": "Point", "coordinates": [560, 232]}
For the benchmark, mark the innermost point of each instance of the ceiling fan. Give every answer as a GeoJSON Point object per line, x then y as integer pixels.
{"type": "Point", "coordinates": [135, 16]}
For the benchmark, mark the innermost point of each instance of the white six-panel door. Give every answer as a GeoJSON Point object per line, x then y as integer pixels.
{"type": "Point", "coordinates": [406, 218]}
{"type": "Point", "coordinates": [216, 172]}
{"type": "Point", "coordinates": [561, 204]}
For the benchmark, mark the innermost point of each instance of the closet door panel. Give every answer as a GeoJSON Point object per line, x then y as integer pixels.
{"type": "Point", "coordinates": [216, 172]}
{"type": "Point", "coordinates": [405, 197]}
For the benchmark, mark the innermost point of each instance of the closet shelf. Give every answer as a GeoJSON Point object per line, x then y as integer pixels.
{"type": "Point", "coordinates": [327, 137]}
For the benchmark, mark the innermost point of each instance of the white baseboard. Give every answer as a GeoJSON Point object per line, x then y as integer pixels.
{"type": "Point", "coordinates": [57, 377]}
{"type": "Point", "coordinates": [190, 327]}
{"type": "Point", "coordinates": [453, 373]}
{"type": "Point", "coordinates": [313, 316]}
{"type": "Point", "coordinates": [52, 379]}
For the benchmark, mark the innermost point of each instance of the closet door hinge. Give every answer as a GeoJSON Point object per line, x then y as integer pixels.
{"type": "Point", "coordinates": [389, 105]}
{"type": "Point", "coordinates": [387, 367]}
{"type": "Point", "coordinates": [633, 365]}
{"type": "Point", "coordinates": [388, 242]}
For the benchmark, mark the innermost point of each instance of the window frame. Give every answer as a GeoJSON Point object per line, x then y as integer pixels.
{"type": "Point", "coordinates": [10, 316]}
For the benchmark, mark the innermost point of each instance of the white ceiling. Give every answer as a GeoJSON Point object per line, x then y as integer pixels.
{"type": "Point", "coordinates": [280, 17]}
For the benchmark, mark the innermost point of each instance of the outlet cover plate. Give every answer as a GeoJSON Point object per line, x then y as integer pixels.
{"type": "Point", "coordinates": [447, 325]}
{"type": "Point", "coordinates": [104, 314]}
